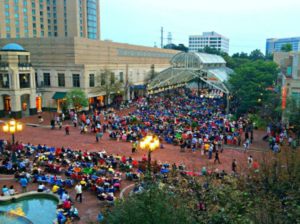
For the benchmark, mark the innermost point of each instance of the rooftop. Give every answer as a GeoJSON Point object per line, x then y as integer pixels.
{"type": "Point", "coordinates": [12, 47]}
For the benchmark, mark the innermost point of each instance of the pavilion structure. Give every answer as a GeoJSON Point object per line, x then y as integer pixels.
{"type": "Point", "coordinates": [206, 71]}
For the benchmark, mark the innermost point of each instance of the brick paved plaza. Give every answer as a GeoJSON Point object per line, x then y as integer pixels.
{"type": "Point", "coordinates": [90, 207]}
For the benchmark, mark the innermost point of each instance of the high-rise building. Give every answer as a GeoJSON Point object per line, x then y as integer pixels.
{"type": "Point", "coordinates": [274, 44]}
{"type": "Point", "coordinates": [49, 18]}
{"type": "Point", "coordinates": [210, 39]}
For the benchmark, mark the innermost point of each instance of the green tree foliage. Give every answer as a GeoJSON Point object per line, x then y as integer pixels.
{"type": "Point", "coordinates": [256, 55]}
{"type": "Point", "coordinates": [179, 47]}
{"type": "Point", "coordinates": [250, 83]}
{"type": "Point", "coordinates": [155, 205]}
{"type": "Point", "coordinates": [286, 47]}
{"type": "Point", "coordinates": [269, 196]}
{"type": "Point", "coordinates": [76, 99]}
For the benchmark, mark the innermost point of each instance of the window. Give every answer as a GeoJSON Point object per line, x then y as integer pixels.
{"type": "Point", "coordinates": [61, 80]}
{"type": "Point", "coordinates": [112, 78]}
{"type": "Point", "coordinates": [103, 81]}
{"type": "Point", "coordinates": [24, 80]}
{"type": "Point", "coordinates": [121, 77]}
{"type": "Point", "coordinates": [76, 80]}
{"type": "Point", "coordinates": [47, 79]}
{"type": "Point", "coordinates": [92, 80]}
{"type": "Point", "coordinates": [4, 81]}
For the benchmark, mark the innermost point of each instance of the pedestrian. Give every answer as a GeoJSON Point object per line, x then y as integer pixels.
{"type": "Point", "coordinates": [75, 120]}
{"type": "Point", "coordinates": [52, 123]}
{"type": "Point", "coordinates": [59, 125]}
{"type": "Point", "coordinates": [234, 166]}
{"type": "Point", "coordinates": [210, 151]}
{"type": "Point", "coordinates": [250, 161]}
{"type": "Point", "coordinates": [78, 189]}
{"type": "Point", "coordinates": [217, 157]}
{"type": "Point", "coordinates": [134, 146]}
{"type": "Point", "coordinates": [24, 183]}
{"type": "Point", "coordinates": [246, 145]}
{"type": "Point", "coordinates": [99, 134]}
{"type": "Point", "coordinates": [67, 130]}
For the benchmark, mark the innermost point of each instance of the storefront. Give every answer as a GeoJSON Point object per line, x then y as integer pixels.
{"type": "Point", "coordinates": [60, 98]}
{"type": "Point", "coordinates": [96, 102]}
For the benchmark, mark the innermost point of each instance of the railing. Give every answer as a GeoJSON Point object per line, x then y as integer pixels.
{"type": "Point", "coordinates": [25, 66]}
{"type": "Point", "coordinates": [4, 66]}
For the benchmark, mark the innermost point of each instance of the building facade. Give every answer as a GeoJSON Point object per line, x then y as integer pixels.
{"type": "Point", "coordinates": [289, 64]}
{"type": "Point", "coordinates": [275, 45]}
{"type": "Point", "coordinates": [208, 39]}
{"type": "Point", "coordinates": [106, 71]}
{"type": "Point", "coordinates": [17, 82]}
{"type": "Point", "coordinates": [49, 18]}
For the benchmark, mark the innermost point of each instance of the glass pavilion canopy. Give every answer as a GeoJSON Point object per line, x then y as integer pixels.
{"type": "Point", "coordinates": [188, 67]}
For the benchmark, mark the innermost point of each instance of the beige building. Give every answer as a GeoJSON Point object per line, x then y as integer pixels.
{"type": "Point", "coordinates": [49, 18]}
{"type": "Point", "coordinates": [289, 63]}
{"type": "Point", "coordinates": [17, 82]}
{"type": "Point", "coordinates": [106, 71]}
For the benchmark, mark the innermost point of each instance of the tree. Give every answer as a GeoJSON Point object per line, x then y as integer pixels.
{"type": "Point", "coordinates": [286, 47]}
{"type": "Point", "coordinates": [180, 47]}
{"type": "Point", "coordinates": [154, 205]}
{"type": "Point", "coordinates": [256, 55]}
{"type": "Point", "coordinates": [210, 50]}
{"type": "Point", "coordinates": [107, 83]}
{"type": "Point", "coordinates": [76, 99]}
{"type": "Point", "coordinates": [250, 82]}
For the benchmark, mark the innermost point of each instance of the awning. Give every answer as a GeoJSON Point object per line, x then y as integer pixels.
{"type": "Point", "coordinates": [59, 95]}
{"type": "Point", "coordinates": [138, 87]}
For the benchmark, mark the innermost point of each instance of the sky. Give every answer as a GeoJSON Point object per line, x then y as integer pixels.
{"type": "Point", "coordinates": [247, 23]}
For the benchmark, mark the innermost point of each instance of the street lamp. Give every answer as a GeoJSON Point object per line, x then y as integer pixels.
{"type": "Point", "coordinates": [150, 143]}
{"type": "Point", "coordinates": [12, 127]}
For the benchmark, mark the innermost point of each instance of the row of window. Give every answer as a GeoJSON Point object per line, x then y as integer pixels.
{"type": "Point", "coordinates": [24, 80]}
{"type": "Point", "coordinates": [76, 79]}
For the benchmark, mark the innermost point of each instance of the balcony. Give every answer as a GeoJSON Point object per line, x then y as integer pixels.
{"type": "Point", "coordinates": [24, 66]}
{"type": "Point", "coordinates": [4, 66]}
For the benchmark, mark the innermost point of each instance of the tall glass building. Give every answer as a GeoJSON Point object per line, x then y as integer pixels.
{"type": "Point", "coordinates": [274, 44]}
{"type": "Point", "coordinates": [49, 18]}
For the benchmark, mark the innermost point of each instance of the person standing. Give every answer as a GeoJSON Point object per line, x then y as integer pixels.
{"type": "Point", "coordinates": [217, 157]}
{"type": "Point", "coordinates": [234, 166]}
{"type": "Point", "coordinates": [78, 189]}
{"type": "Point", "coordinates": [67, 130]}
{"type": "Point", "coordinates": [250, 161]}
{"type": "Point", "coordinates": [24, 183]}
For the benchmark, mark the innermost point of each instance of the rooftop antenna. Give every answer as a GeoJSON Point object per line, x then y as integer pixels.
{"type": "Point", "coordinates": [169, 38]}
{"type": "Point", "coordinates": [162, 37]}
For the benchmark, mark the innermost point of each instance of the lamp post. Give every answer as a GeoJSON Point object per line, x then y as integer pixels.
{"type": "Point", "coordinates": [12, 127]}
{"type": "Point", "coordinates": [149, 143]}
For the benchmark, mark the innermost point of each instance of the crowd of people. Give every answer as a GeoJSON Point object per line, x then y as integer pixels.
{"type": "Point", "coordinates": [180, 118]}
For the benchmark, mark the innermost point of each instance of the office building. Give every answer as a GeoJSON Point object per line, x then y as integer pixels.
{"type": "Point", "coordinates": [49, 18]}
{"type": "Point", "coordinates": [210, 39]}
{"type": "Point", "coordinates": [275, 45]}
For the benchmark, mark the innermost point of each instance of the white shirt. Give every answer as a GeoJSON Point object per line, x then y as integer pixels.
{"type": "Point", "coordinates": [78, 189]}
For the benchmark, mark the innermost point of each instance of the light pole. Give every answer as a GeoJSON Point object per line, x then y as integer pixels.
{"type": "Point", "coordinates": [149, 143]}
{"type": "Point", "coordinates": [12, 127]}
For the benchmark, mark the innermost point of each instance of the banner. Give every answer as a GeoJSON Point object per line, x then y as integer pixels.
{"type": "Point", "coordinates": [283, 94]}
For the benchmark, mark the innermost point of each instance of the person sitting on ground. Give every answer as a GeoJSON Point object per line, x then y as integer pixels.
{"type": "Point", "coordinates": [12, 191]}
{"type": "Point", "coordinates": [41, 187]}
{"type": "Point", "coordinates": [5, 191]}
